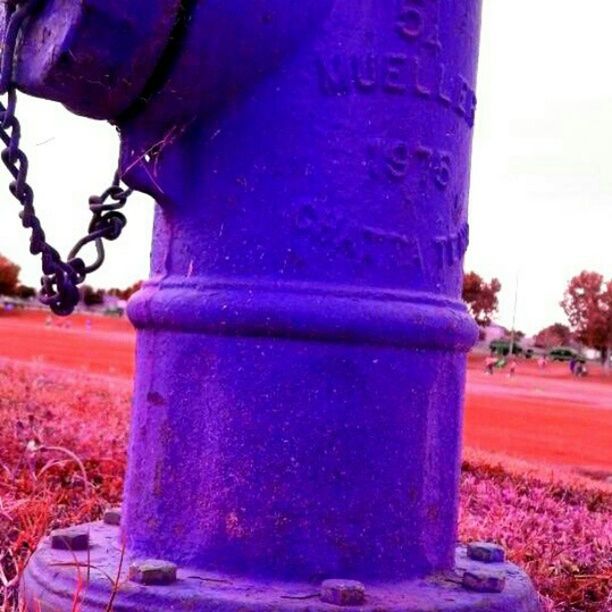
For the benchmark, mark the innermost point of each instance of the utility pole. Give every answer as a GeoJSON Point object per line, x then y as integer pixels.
{"type": "Point", "coordinates": [513, 331]}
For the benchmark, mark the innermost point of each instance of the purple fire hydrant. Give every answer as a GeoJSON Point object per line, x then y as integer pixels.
{"type": "Point", "coordinates": [295, 440]}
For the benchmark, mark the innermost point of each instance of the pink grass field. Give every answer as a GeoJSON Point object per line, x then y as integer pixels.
{"type": "Point", "coordinates": [63, 436]}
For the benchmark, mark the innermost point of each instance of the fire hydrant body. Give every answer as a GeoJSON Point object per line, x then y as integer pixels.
{"type": "Point", "coordinates": [301, 341]}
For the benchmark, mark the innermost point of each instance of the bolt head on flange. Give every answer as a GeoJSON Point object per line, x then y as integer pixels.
{"type": "Point", "coordinates": [73, 538]}
{"type": "Point", "coordinates": [112, 516]}
{"type": "Point", "coordinates": [484, 581]}
{"type": "Point", "coordinates": [486, 552]}
{"type": "Point", "coordinates": [153, 572]}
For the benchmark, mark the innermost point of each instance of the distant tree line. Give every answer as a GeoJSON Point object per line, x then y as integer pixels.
{"type": "Point", "coordinates": [10, 286]}
{"type": "Point", "coordinates": [587, 303]}
{"type": "Point", "coordinates": [9, 281]}
{"type": "Point", "coordinates": [97, 297]}
{"type": "Point", "coordinates": [125, 294]}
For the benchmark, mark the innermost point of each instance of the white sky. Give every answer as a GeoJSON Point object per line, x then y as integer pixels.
{"type": "Point", "coordinates": [541, 200]}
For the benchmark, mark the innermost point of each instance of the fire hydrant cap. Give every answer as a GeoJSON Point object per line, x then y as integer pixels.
{"type": "Point", "coordinates": [94, 56]}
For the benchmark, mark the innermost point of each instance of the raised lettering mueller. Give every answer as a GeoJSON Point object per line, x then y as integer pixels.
{"type": "Point", "coordinates": [396, 73]}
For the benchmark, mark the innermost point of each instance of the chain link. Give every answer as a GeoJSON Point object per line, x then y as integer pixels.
{"type": "Point", "coordinates": [60, 279]}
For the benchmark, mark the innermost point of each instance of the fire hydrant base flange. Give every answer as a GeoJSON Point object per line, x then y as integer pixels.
{"type": "Point", "coordinates": [52, 579]}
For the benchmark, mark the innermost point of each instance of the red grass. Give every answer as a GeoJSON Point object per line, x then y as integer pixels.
{"type": "Point", "coordinates": [559, 529]}
{"type": "Point", "coordinates": [42, 486]}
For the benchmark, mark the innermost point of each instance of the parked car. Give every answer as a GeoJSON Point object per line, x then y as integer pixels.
{"type": "Point", "coordinates": [502, 347]}
{"type": "Point", "coordinates": [565, 353]}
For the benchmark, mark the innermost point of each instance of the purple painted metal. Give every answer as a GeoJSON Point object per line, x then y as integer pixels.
{"type": "Point", "coordinates": [301, 346]}
{"type": "Point", "coordinates": [94, 56]}
{"type": "Point", "coordinates": [302, 342]}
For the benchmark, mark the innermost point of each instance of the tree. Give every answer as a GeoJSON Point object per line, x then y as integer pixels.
{"type": "Point", "coordinates": [9, 276]}
{"type": "Point", "coordinates": [587, 302]}
{"type": "Point", "coordinates": [25, 293]}
{"type": "Point", "coordinates": [91, 296]}
{"type": "Point", "coordinates": [125, 294]}
{"type": "Point", "coordinates": [480, 297]}
{"type": "Point", "coordinates": [554, 335]}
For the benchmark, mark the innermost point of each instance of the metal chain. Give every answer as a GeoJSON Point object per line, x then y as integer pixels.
{"type": "Point", "coordinates": [60, 280]}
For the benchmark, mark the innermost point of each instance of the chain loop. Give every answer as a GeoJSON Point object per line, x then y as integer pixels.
{"type": "Point", "coordinates": [60, 280]}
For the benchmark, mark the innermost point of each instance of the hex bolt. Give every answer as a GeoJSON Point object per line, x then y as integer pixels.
{"type": "Point", "coordinates": [153, 572]}
{"type": "Point", "coordinates": [484, 581]}
{"type": "Point", "coordinates": [112, 516]}
{"type": "Point", "coordinates": [343, 592]}
{"type": "Point", "coordinates": [486, 552]}
{"type": "Point", "coordinates": [72, 538]}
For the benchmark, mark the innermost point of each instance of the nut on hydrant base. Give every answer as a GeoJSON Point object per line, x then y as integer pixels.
{"type": "Point", "coordinates": [53, 575]}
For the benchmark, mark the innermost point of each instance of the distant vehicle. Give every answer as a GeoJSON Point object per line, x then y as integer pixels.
{"type": "Point", "coordinates": [502, 347]}
{"type": "Point", "coordinates": [565, 353]}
